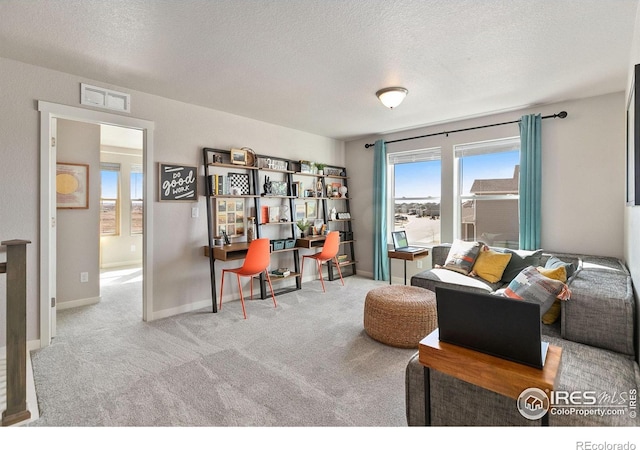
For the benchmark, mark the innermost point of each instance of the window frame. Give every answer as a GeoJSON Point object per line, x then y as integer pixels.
{"type": "Point", "coordinates": [478, 148]}
{"type": "Point", "coordinates": [111, 167]}
{"type": "Point", "coordinates": [408, 157]}
{"type": "Point", "coordinates": [135, 169]}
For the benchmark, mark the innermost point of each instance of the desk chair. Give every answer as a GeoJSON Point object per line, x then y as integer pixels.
{"type": "Point", "coordinates": [256, 262]}
{"type": "Point", "coordinates": [328, 252]}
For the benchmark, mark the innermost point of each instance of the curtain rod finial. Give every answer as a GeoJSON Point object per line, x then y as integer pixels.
{"type": "Point", "coordinates": [562, 114]}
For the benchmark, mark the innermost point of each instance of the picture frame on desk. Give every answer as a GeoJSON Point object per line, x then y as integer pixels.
{"type": "Point", "coordinates": [230, 217]}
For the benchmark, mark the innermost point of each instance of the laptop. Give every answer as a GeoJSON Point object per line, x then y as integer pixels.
{"type": "Point", "coordinates": [499, 326]}
{"type": "Point", "coordinates": [401, 244]}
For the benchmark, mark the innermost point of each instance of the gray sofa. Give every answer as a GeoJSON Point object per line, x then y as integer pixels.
{"type": "Point", "coordinates": [597, 333]}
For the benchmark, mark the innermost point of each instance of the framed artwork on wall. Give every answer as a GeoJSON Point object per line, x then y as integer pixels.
{"type": "Point", "coordinates": [72, 186]}
{"type": "Point", "coordinates": [230, 217]}
{"type": "Point", "coordinates": [633, 141]}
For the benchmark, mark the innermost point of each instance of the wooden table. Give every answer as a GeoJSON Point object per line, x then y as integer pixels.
{"type": "Point", "coordinates": [489, 372]}
{"type": "Point", "coordinates": [405, 256]}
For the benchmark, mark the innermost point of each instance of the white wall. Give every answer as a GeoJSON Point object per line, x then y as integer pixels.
{"type": "Point", "coordinates": [583, 175]}
{"type": "Point", "coordinates": [78, 230]}
{"type": "Point", "coordinates": [180, 272]}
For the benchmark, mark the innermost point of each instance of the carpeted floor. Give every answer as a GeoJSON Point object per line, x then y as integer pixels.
{"type": "Point", "coordinates": [306, 363]}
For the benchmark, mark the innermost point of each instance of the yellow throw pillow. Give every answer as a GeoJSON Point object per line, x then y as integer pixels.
{"type": "Point", "coordinates": [560, 274]}
{"type": "Point", "coordinates": [490, 265]}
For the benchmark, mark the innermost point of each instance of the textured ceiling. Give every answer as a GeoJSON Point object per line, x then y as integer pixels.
{"type": "Point", "coordinates": [315, 65]}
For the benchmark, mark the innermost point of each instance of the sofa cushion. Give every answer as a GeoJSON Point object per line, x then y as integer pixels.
{"type": "Point", "coordinates": [531, 286]}
{"type": "Point", "coordinates": [490, 265]}
{"type": "Point", "coordinates": [430, 279]}
{"type": "Point", "coordinates": [462, 256]}
{"type": "Point", "coordinates": [519, 260]}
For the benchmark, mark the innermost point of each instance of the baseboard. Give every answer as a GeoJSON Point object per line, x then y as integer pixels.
{"type": "Point", "coordinates": [180, 309]}
{"type": "Point", "coordinates": [75, 303]}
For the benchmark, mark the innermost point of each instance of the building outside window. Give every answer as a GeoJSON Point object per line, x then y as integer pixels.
{"type": "Point", "coordinates": [488, 191]}
{"type": "Point", "coordinates": [414, 184]}
{"type": "Point", "coordinates": [136, 198]}
{"type": "Point", "coordinates": [109, 199]}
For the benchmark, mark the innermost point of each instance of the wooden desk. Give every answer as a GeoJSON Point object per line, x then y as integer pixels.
{"type": "Point", "coordinates": [489, 372]}
{"type": "Point", "coordinates": [406, 256]}
{"type": "Point", "coordinates": [310, 241]}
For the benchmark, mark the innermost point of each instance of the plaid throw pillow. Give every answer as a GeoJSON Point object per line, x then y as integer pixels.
{"type": "Point", "coordinates": [531, 286]}
{"type": "Point", "coordinates": [462, 256]}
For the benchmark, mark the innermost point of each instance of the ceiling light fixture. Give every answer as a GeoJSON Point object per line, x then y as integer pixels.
{"type": "Point", "coordinates": [392, 96]}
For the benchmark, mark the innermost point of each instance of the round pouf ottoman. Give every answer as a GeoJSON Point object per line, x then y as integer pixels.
{"type": "Point", "coordinates": [400, 316]}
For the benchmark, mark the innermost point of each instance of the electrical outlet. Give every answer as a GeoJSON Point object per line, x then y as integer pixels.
{"type": "Point", "coordinates": [133, 247]}
{"type": "Point", "coordinates": [419, 264]}
{"type": "Point", "coordinates": [195, 212]}
{"type": "Point", "coordinates": [84, 277]}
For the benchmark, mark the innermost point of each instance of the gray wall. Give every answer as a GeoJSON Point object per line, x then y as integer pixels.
{"type": "Point", "coordinates": [583, 166]}
{"type": "Point", "coordinates": [78, 230]}
{"type": "Point", "coordinates": [180, 271]}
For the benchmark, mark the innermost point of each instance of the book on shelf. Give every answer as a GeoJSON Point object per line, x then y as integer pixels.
{"type": "Point", "coordinates": [281, 273]}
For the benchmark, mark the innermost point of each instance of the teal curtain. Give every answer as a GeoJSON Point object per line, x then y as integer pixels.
{"type": "Point", "coordinates": [530, 181]}
{"type": "Point", "coordinates": [380, 259]}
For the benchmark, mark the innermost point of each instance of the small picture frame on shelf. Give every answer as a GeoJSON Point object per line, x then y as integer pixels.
{"type": "Point", "coordinates": [279, 188]}
{"type": "Point", "coordinates": [311, 210]}
{"type": "Point", "coordinates": [240, 181]}
{"type": "Point", "coordinates": [239, 156]}
{"type": "Point", "coordinates": [301, 212]}
{"type": "Point", "coordinates": [274, 214]}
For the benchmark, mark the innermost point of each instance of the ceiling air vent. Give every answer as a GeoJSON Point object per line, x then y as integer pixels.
{"type": "Point", "coordinates": [104, 98]}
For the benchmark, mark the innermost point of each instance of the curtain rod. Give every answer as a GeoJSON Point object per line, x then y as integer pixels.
{"type": "Point", "coordinates": [561, 115]}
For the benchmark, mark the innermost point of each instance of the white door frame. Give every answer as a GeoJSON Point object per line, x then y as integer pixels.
{"type": "Point", "coordinates": [48, 112]}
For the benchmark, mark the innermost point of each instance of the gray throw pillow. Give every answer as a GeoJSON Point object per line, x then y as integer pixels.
{"type": "Point", "coordinates": [555, 262]}
{"type": "Point", "coordinates": [518, 263]}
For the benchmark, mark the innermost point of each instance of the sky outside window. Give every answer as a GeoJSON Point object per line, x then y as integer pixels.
{"type": "Point", "coordinates": [488, 166]}
{"type": "Point", "coordinates": [419, 179]}
{"type": "Point", "coordinates": [109, 184]}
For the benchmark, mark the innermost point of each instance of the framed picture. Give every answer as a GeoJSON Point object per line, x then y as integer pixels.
{"type": "Point", "coordinates": [72, 186]}
{"type": "Point", "coordinates": [311, 210]}
{"type": "Point", "coordinates": [274, 214]}
{"type": "Point", "coordinates": [301, 211]}
{"type": "Point", "coordinates": [239, 156]}
{"type": "Point", "coordinates": [633, 141]}
{"type": "Point", "coordinates": [279, 188]}
{"type": "Point", "coordinates": [230, 217]}
{"type": "Point", "coordinates": [178, 182]}
{"type": "Point", "coordinates": [239, 181]}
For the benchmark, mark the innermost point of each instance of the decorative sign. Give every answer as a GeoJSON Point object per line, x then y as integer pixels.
{"type": "Point", "coordinates": [178, 182]}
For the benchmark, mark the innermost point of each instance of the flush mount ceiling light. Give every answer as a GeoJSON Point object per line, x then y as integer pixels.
{"type": "Point", "coordinates": [392, 96]}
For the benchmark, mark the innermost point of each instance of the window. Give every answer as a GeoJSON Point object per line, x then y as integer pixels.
{"type": "Point", "coordinates": [109, 199]}
{"type": "Point", "coordinates": [136, 198]}
{"type": "Point", "coordinates": [488, 191]}
{"type": "Point", "coordinates": [414, 182]}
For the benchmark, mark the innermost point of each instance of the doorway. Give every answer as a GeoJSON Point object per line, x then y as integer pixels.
{"type": "Point", "coordinates": [49, 114]}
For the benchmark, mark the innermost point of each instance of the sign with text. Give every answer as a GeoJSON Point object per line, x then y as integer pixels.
{"type": "Point", "coordinates": [178, 182]}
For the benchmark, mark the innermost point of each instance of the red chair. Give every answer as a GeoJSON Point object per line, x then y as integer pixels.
{"type": "Point", "coordinates": [256, 262]}
{"type": "Point", "coordinates": [328, 252]}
